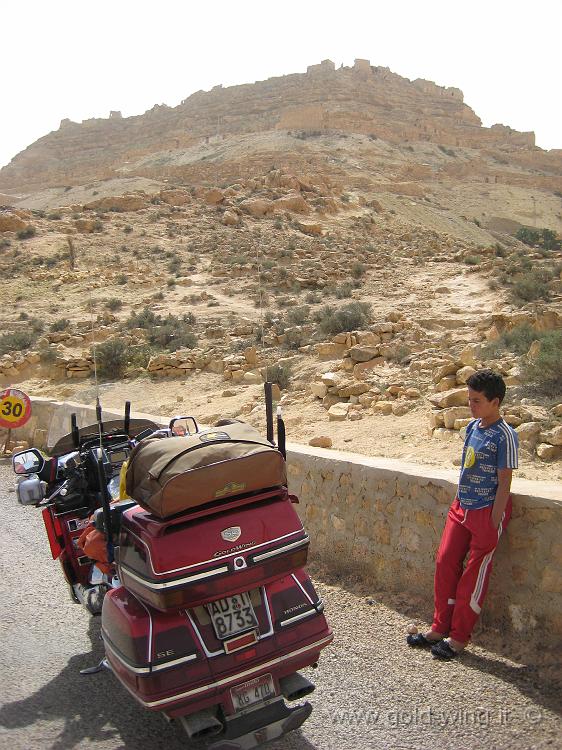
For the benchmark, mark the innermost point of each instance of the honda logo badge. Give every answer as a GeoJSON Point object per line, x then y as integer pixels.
{"type": "Point", "coordinates": [231, 534]}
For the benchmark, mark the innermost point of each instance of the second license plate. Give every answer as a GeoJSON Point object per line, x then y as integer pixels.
{"type": "Point", "coordinates": [232, 615]}
{"type": "Point", "coordinates": [254, 691]}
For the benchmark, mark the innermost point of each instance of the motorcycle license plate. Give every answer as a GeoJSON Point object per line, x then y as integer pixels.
{"type": "Point", "coordinates": [232, 615]}
{"type": "Point", "coordinates": [256, 690]}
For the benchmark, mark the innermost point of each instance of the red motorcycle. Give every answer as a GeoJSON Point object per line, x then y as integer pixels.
{"type": "Point", "coordinates": [207, 611]}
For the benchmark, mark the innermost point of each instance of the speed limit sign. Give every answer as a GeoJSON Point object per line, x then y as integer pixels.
{"type": "Point", "coordinates": [15, 408]}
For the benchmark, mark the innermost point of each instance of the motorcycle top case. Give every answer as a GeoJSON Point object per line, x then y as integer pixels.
{"type": "Point", "coordinates": [170, 475]}
{"type": "Point", "coordinates": [210, 554]}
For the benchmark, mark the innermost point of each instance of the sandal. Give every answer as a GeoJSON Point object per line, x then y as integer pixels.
{"type": "Point", "coordinates": [443, 651]}
{"type": "Point", "coordinates": [419, 641]}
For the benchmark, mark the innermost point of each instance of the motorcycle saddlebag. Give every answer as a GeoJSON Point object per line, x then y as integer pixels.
{"type": "Point", "coordinates": [167, 476]}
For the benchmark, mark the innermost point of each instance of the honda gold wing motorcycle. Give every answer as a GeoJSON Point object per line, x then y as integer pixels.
{"type": "Point", "coordinates": [186, 541]}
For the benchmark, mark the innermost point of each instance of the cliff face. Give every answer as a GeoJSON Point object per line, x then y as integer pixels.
{"type": "Point", "coordinates": [363, 99]}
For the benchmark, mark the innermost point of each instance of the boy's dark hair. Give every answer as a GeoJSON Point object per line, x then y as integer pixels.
{"type": "Point", "coordinates": [489, 383]}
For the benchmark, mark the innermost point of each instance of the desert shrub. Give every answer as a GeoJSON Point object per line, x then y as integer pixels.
{"type": "Point", "coordinates": [472, 260]}
{"type": "Point", "coordinates": [4, 243]}
{"type": "Point", "coordinates": [517, 341]}
{"type": "Point", "coordinates": [448, 151]}
{"type": "Point", "coordinates": [55, 216]}
{"type": "Point", "coordinates": [60, 325]}
{"type": "Point", "coordinates": [298, 315]}
{"type": "Point", "coordinates": [544, 374]}
{"type": "Point", "coordinates": [295, 338]}
{"type": "Point", "coordinates": [111, 359]}
{"type": "Point", "coordinates": [354, 315]}
{"type": "Point", "coordinates": [17, 341]}
{"type": "Point", "coordinates": [501, 252]}
{"type": "Point", "coordinates": [121, 279]}
{"type": "Point", "coordinates": [172, 334]}
{"type": "Point", "coordinates": [128, 229]}
{"type": "Point", "coordinates": [544, 238]}
{"type": "Point", "coordinates": [27, 233]}
{"type": "Point", "coordinates": [280, 374]}
{"type": "Point", "coordinates": [114, 303]}
{"type": "Point", "coordinates": [530, 286]}
{"type": "Point", "coordinates": [143, 319]}
{"type": "Point", "coordinates": [358, 270]}
{"type": "Point", "coordinates": [313, 298]}
{"type": "Point", "coordinates": [51, 261]}
{"type": "Point", "coordinates": [343, 291]}
{"type": "Point", "coordinates": [98, 226]}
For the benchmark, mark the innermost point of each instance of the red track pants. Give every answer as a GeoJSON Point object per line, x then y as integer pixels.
{"type": "Point", "coordinates": [459, 593]}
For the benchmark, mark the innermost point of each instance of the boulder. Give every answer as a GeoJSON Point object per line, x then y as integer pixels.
{"type": "Point", "coordinates": [446, 383]}
{"type": "Point", "coordinates": [230, 219]}
{"type": "Point", "coordinates": [295, 203]}
{"type": "Point", "coordinates": [548, 452]}
{"type": "Point", "coordinates": [175, 197]}
{"type": "Point", "coordinates": [310, 228]}
{"type": "Point", "coordinates": [399, 408]}
{"type": "Point", "coordinates": [557, 410]}
{"type": "Point", "coordinates": [321, 441]}
{"type": "Point", "coordinates": [85, 226]}
{"type": "Point", "coordinates": [469, 355]}
{"type": "Point", "coordinates": [534, 350]}
{"type": "Point", "coordinates": [360, 353]}
{"type": "Point", "coordinates": [329, 350]}
{"type": "Point", "coordinates": [383, 407]}
{"type": "Point", "coordinates": [257, 207]}
{"type": "Point", "coordinates": [464, 373]}
{"type": "Point", "coordinates": [528, 431]}
{"type": "Point", "coordinates": [353, 389]}
{"type": "Point", "coordinates": [553, 437]}
{"type": "Point", "coordinates": [318, 389]}
{"type": "Point", "coordinates": [330, 379]}
{"type": "Point", "coordinates": [11, 223]}
{"type": "Point", "coordinates": [338, 412]}
{"type": "Point", "coordinates": [453, 413]}
{"type": "Point", "coordinates": [453, 397]}
{"type": "Point", "coordinates": [450, 368]}
{"type": "Point", "coordinates": [117, 203]}
{"type": "Point", "coordinates": [412, 393]}
{"type": "Point", "coordinates": [213, 197]}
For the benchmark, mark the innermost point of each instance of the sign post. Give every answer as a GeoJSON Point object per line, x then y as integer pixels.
{"type": "Point", "coordinates": [15, 411]}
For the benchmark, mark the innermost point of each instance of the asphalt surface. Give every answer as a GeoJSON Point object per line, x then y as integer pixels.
{"type": "Point", "coordinates": [372, 691]}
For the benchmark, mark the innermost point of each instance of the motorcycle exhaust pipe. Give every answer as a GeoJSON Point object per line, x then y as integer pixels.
{"type": "Point", "coordinates": [295, 686]}
{"type": "Point", "coordinates": [201, 724]}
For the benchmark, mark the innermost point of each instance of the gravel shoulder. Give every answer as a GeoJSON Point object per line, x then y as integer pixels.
{"type": "Point", "coordinates": [372, 691]}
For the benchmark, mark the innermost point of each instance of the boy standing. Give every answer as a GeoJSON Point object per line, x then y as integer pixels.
{"type": "Point", "coordinates": [475, 521]}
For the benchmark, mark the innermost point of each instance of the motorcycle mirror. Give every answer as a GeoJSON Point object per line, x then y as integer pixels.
{"type": "Point", "coordinates": [28, 462]}
{"type": "Point", "coordinates": [183, 426]}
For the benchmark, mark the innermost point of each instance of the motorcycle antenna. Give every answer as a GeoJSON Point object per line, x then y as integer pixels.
{"type": "Point", "coordinates": [75, 431]}
{"type": "Point", "coordinates": [268, 387]}
{"type": "Point", "coordinates": [102, 480]}
{"type": "Point", "coordinates": [127, 420]}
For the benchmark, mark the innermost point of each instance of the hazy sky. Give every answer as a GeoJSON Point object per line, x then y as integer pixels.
{"type": "Point", "coordinates": [81, 59]}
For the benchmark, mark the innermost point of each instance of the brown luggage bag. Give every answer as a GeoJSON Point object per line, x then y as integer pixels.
{"type": "Point", "coordinates": [167, 476]}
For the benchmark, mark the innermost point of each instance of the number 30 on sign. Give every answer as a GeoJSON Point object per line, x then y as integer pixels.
{"type": "Point", "coordinates": [15, 408]}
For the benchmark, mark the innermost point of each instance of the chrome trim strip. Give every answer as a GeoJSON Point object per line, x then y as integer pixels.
{"type": "Point", "coordinates": [234, 679]}
{"type": "Point", "coordinates": [281, 550]}
{"type": "Point", "coordinates": [149, 655]}
{"type": "Point", "coordinates": [147, 670]}
{"type": "Point", "coordinates": [208, 654]}
{"type": "Point", "coordinates": [308, 612]}
{"type": "Point", "coordinates": [175, 582]}
{"type": "Point", "coordinates": [268, 613]}
{"type": "Point", "coordinates": [174, 662]}
{"type": "Point", "coordinates": [213, 559]}
{"type": "Point", "coordinates": [302, 588]}
{"type": "Point", "coordinates": [135, 670]}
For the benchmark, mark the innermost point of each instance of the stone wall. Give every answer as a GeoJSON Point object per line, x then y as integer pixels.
{"type": "Point", "coordinates": [383, 518]}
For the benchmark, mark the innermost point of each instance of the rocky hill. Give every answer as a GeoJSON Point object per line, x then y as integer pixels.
{"type": "Point", "coordinates": [358, 238]}
{"type": "Point", "coordinates": [168, 142]}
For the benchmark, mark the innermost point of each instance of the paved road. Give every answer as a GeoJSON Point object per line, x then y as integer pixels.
{"type": "Point", "coordinates": [372, 692]}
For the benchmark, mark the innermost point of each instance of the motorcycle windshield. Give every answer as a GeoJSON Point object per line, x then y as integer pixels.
{"type": "Point", "coordinates": [66, 444]}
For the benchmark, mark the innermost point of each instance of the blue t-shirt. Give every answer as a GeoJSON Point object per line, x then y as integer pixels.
{"type": "Point", "coordinates": [486, 449]}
